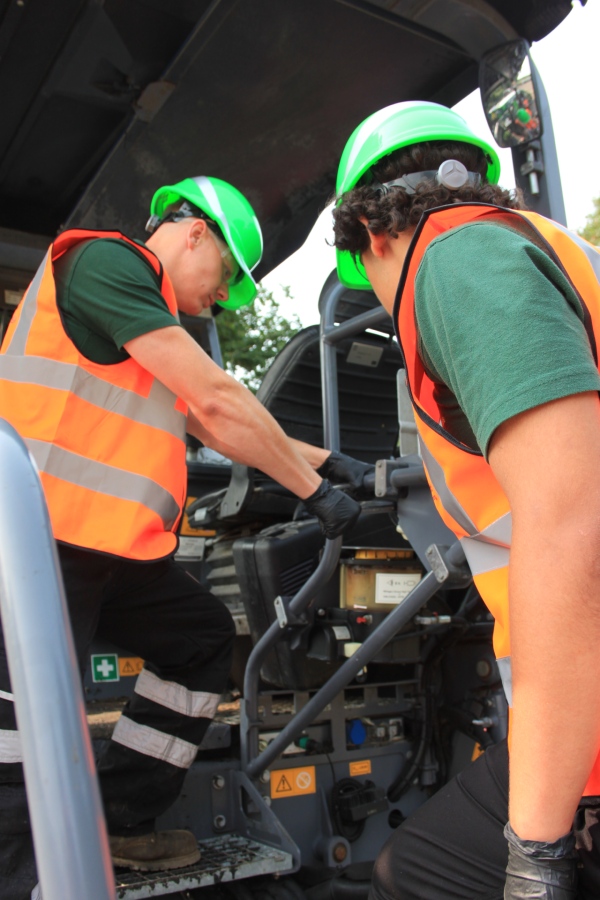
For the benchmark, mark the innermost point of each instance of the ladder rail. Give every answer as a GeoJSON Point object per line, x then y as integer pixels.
{"type": "Point", "coordinates": [67, 820]}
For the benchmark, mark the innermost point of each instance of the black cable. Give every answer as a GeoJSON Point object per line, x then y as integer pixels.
{"type": "Point", "coordinates": [346, 788]}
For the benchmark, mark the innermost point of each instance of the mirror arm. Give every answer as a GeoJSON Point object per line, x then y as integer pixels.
{"type": "Point", "coordinates": [533, 166]}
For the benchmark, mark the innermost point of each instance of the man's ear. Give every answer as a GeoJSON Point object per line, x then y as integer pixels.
{"type": "Point", "coordinates": [196, 232]}
{"type": "Point", "coordinates": [377, 241]}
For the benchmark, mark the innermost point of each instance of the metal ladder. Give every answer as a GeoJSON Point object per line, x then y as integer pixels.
{"type": "Point", "coordinates": [67, 821]}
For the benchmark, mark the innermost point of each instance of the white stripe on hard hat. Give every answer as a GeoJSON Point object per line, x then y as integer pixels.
{"type": "Point", "coordinates": [207, 188]}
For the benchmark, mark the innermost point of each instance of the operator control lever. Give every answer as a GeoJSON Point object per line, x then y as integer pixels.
{"type": "Point", "coordinates": [392, 475]}
{"type": "Point", "coordinates": [449, 564]}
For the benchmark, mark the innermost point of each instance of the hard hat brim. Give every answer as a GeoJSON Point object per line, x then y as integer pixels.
{"type": "Point", "coordinates": [240, 294]}
{"type": "Point", "coordinates": [350, 272]}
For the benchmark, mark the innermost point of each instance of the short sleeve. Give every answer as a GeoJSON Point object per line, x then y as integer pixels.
{"type": "Point", "coordinates": [500, 324]}
{"type": "Point", "coordinates": [109, 294]}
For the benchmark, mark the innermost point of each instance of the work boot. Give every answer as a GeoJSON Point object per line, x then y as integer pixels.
{"type": "Point", "coordinates": [155, 851]}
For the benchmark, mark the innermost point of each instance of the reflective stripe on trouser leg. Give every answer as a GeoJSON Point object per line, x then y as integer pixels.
{"type": "Point", "coordinates": [151, 742]}
{"type": "Point", "coordinates": [10, 747]}
{"type": "Point", "coordinates": [144, 766]}
{"type": "Point", "coordinates": [10, 739]}
{"type": "Point", "coordinates": [198, 704]}
{"type": "Point", "coordinates": [154, 743]}
{"type": "Point", "coordinates": [177, 701]}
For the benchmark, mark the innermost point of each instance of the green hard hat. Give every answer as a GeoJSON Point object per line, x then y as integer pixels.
{"type": "Point", "coordinates": [395, 126]}
{"type": "Point", "coordinates": [224, 204]}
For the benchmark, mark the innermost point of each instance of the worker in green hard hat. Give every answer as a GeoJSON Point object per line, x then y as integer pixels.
{"type": "Point", "coordinates": [102, 382]}
{"type": "Point", "coordinates": [497, 311]}
{"type": "Point", "coordinates": [228, 217]}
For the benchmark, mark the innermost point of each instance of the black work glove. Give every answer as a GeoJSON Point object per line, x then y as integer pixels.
{"type": "Point", "coordinates": [342, 469]}
{"type": "Point", "coordinates": [538, 870]}
{"type": "Point", "coordinates": [336, 511]}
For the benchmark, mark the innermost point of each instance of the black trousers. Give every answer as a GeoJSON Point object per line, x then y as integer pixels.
{"type": "Point", "coordinates": [185, 635]}
{"type": "Point", "coordinates": [453, 848]}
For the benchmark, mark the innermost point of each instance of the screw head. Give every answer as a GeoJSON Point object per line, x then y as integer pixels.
{"type": "Point", "coordinates": [218, 782]}
{"type": "Point", "coordinates": [219, 822]}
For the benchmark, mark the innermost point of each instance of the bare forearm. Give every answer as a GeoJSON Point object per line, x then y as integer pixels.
{"type": "Point", "coordinates": [232, 419]}
{"type": "Point", "coordinates": [314, 456]}
{"type": "Point", "coordinates": [546, 459]}
{"type": "Point", "coordinates": [555, 633]}
{"type": "Point", "coordinates": [240, 428]}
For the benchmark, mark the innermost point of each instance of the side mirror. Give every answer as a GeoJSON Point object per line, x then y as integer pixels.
{"type": "Point", "coordinates": [508, 95]}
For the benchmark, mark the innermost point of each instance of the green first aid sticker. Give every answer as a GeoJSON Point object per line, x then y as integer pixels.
{"type": "Point", "coordinates": [105, 667]}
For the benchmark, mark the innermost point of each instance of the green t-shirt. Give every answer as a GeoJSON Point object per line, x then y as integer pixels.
{"type": "Point", "coordinates": [501, 329]}
{"type": "Point", "coordinates": [108, 294]}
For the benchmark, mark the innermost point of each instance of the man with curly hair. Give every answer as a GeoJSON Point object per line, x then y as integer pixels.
{"type": "Point", "coordinates": [497, 311]}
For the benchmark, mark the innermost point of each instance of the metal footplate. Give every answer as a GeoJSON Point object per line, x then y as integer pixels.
{"type": "Point", "coordinates": [230, 857]}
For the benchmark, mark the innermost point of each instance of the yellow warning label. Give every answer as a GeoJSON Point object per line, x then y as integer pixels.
{"type": "Point", "coordinates": [384, 554]}
{"type": "Point", "coordinates": [360, 767]}
{"type": "Point", "coordinates": [293, 782]}
{"type": "Point", "coordinates": [130, 665]}
{"type": "Point", "coordinates": [187, 530]}
{"type": "Point", "coordinates": [477, 751]}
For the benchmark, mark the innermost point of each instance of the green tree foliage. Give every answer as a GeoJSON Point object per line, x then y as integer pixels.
{"type": "Point", "coordinates": [591, 229]}
{"type": "Point", "coordinates": [252, 336]}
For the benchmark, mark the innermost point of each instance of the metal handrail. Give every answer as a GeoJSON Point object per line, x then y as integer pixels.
{"type": "Point", "coordinates": [67, 821]}
{"type": "Point", "coordinates": [253, 763]}
{"type": "Point", "coordinates": [331, 334]}
{"type": "Point", "coordinates": [385, 631]}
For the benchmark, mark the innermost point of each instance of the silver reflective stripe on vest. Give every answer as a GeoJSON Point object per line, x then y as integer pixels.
{"type": "Point", "coordinates": [449, 501]}
{"type": "Point", "coordinates": [104, 479]}
{"type": "Point", "coordinates": [10, 747]}
{"type": "Point", "coordinates": [152, 742]}
{"type": "Point", "coordinates": [157, 410]}
{"type": "Point", "coordinates": [4, 695]}
{"type": "Point", "coordinates": [486, 550]}
{"type": "Point", "coordinates": [196, 704]}
{"type": "Point", "coordinates": [28, 311]}
{"type": "Point", "coordinates": [506, 675]}
{"type": "Point", "coordinates": [483, 557]}
{"type": "Point", "coordinates": [490, 549]}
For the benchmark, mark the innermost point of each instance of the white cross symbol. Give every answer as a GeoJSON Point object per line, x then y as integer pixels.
{"type": "Point", "coordinates": [105, 668]}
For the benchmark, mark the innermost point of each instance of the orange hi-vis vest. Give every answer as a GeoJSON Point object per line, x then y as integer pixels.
{"type": "Point", "coordinates": [108, 440]}
{"type": "Point", "coordinates": [465, 490]}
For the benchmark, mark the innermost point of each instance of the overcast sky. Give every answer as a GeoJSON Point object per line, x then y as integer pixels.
{"type": "Point", "coordinates": [568, 63]}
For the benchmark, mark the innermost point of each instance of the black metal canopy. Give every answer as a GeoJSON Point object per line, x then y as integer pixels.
{"type": "Point", "coordinates": [102, 101]}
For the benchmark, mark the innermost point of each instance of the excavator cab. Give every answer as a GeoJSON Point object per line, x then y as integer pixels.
{"type": "Point", "coordinates": [364, 675]}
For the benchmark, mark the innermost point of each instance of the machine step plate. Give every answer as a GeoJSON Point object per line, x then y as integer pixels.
{"type": "Point", "coordinates": [227, 858]}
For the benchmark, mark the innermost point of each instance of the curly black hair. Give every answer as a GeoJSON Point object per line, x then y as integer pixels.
{"type": "Point", "coordinates": [395, 210]}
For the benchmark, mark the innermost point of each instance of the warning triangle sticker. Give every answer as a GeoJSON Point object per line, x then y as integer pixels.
{"type": "Point", "coordinates": [283, 786]}
{"type": "Point", "coordinates": [127, 669]}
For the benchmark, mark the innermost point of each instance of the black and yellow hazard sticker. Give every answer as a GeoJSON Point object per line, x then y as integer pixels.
{"type": "Point", "coordinates": [130, 665]}
{"type": "Point", "coordinates": [293, 782]}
